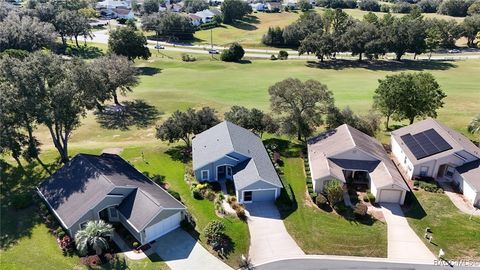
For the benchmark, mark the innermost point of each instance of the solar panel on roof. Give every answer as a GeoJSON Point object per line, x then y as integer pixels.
{"type": "Point", "coordinates": [437, 140]}
{"type": "Point", "coordinates": [425, 144]}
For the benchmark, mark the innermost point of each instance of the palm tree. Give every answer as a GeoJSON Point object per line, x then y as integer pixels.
{"type": "Point", "coordinates": [93, 236]}
{"type": "Point", "coordinates": [474, 126]}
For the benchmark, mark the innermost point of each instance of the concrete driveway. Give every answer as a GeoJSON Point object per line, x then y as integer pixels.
{"type": "Point", "coordinates": [269, 240]}
{"type": "Point", "coordinates": [181, 251]}
{"type": "Point", "coordinates": [403, 242]}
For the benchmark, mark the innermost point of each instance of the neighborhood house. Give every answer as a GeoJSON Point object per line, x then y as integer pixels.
{"type": "Point", "coordinates": [227, 152]}
{"type": "Point", "coordinates": [356, 159]}
{"type": "Point", "coordinates": [107, 187]}
{"type": "Point", "coordinates": [430, 149]}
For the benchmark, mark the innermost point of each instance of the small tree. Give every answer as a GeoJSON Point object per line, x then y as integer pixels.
{"type": "Point", "coordinates": [474, 126]}
{"type": "Point", "coordinates": [254, 120]}
{"type": "Point", "coordinates": [283, 55]}
{"type": "Point", "coordinates": [214, 231]}
{"type": "Point", "coordinates": [182, 125]}
{"type": "Point", "coordinates": [305, 5]}
{"type": "Point", "coordinates": [93, 237]}
{"type": "Point", "coordinates": [234, 10]}
{"type": "Point", "coordinates": [334, 191]}
{"type": "Point", "coordinates": [233, 54]}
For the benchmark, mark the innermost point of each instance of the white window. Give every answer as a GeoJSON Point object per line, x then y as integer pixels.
{"type": "Point", "coordinates": [423, 171]}
{"type": "Point", "coordinates": [205, 174]}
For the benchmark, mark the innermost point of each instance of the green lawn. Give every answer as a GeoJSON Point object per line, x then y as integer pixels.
{"type": "Point", "coordinates": [24, 226]}
{"type": "Point", "coordinates": [174, 85]}
{"type": "Point", "coordinates": [453, 231]}
{"type": "Point", "coordinates": [249, 32]}
{"type": "Point", "coordinates": [319, 232]}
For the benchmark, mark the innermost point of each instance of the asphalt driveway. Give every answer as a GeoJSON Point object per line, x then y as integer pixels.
{"type": "Point", "coordinates": [403, 242]}
{"type": "Point", "coordinates": [269, 239]}
{"type": "Point", "coordinates": [181, 251]}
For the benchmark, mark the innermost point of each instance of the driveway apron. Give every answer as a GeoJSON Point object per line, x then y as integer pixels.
{"type": "Point", "coordinates": [269, 239]}
{"type": "Point", "coordinates": [181, 251]}
{"type": "Point", "coordinates": [403, 242]}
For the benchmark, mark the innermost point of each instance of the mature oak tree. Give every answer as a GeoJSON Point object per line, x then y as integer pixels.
{"type": "Point", "coordinates": [128, 42]}
{"type": "Point", "coordinates": [183, 125]}
{"type": "Point", "coordinates": [255, 120]}
{"type": "Point", "coordinates": [301, 105]}
{"type": "Point", "coordinates": [233, 10]}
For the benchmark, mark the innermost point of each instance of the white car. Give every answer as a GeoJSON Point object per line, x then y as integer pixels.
{"type": "Point", "coordinates": [213, 51]}
{"type": "Point", "coordinates": [453, 51]}
{"type": "Point", "coordinates": [159, 47]}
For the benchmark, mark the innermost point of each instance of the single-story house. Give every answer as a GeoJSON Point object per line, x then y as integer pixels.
{"type": "Point", "coordinates": [106, 187]}
{"type": "Point", "coordinates": [196, 20]}
{"type": "Point", "coordinates": [258, 6]}
{"type": "Point", "coordinates": [430, 149]}
{"type": "Point", "coordinates": [112, 4]}
{"type": "Point", "coordinates": [274, 6]}
{"type": "Point", "coordinates": [123, 13]}
{"type": "Point", "coordinates": [354, 158]}
{"type": "Point", "coordinates": [227, 152]}
{"type": "Point", "coordinates": [207, 14]}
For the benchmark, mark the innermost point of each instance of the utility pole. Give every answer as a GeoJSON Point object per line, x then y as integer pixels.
{"type": "Point", "coordinates": [211, 42]}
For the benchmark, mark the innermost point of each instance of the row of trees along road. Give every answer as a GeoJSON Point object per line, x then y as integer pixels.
{"type": "Point", "coordinates": [41, 88]}
{"type": "Point", "coordinates": [301, 107]}
{"type": "Point", "coordinates": [335, 31]}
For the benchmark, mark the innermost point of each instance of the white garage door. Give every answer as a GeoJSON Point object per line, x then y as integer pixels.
{"type": "Point", "coordinates": [169, 224]}
{"type": "Point", "coordinates": [390, 196]}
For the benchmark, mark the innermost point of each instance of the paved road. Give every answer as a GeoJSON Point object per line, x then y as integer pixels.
{"type": "Point", "coordinates": [403, 242]}
{"type": "Point", "coordinates": [327, 264]}
{"type": "Point", "coordinates": [269, 239]}
{"type": "Point", "coordinates": [102, 37]}
{"type": "Point", "coordinates": [180, 251]}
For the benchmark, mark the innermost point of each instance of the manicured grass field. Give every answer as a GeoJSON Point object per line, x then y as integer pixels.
{"type": "Point", "coordinates": [319, 232]}
{"type": "Point", "coordinates": [249, 32]}
{"type": "Point", "coordinates": [453, 231]}
{"type": "Point", "coordinates": [175, 85]}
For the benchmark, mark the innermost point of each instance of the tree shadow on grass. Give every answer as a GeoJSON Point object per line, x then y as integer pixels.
{"type": "Point", "coordinates": [149, 71]}
{"type": "Point", "coordinates": [84, 52]}
{"type": "Point", "coordinates": [180, 153]}
{"type": "Point", "coordinates": [132, 113]}
{"type": "Point", "coordinates": [412, 207]}
{"type": "Point", "coordinates": [18, 215]}
{"type": "Point", "coordinates": [284, 147]}
{"type": "Point", "coordinates": [286, 202]}
{"type": "Point", "coordinates": [384, 65]}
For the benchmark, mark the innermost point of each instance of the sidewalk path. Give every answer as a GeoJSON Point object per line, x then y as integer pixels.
{"type": "Point", "coordinates": [458, 200]}
{"type": "Point", "coordinates": [403, 243]}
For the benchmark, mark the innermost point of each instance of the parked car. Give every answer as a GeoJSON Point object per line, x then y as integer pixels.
{"type": "Point", "coordinates": [159, 47]}
{"type": "Point", "coordinates": [213, 51]}
{"type": "Point", "coordinates": [453, 51]}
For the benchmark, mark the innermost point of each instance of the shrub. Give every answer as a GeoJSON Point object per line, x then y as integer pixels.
{"type": "Point", "coordinates": [188, 223]}
{"type": "Point", "coordinates": [310, 186]}
{"type": "Point", "coordinates": [341, 209]}
{"type": "Point", "coordinates": [241, 213]}
{"type": "Point", "coordinates": [456, 8]}
{"type": "Point", "coordinates": [369, 197]}
{"type": "Point", "coordinates": [416, 183]}
{"type": "Point", "coordinates": [235, 205]}
{"type": "Point", "coordinates": [402, 7]}
{"type": "Point", "coordinates": [215, 186]}
{"type": "Point", "coordinates": [21, 200]}
{"type": "Point", "coordinates": [313, 195]}
{"type": "Point", "coordinates": [430, 187]}
{"type": "Point", "coordinates": [334, 191]}
{"type": "Point", "coordinates": [283, 55]}
{"type": "Point", "coordinates": [360, 209]}
{"type": "Point", "coordinates": [197, 194]}
{"type": "Point", "coordinates": [209, 195]}
{"type": "Point", "coordinates": [174, 194]}
{"type": "Point", "coordinates": [273, 57]}
{"type": "Point", "coordinates": [231, 199]}
{"type": "Point", "coordinates": [188, 58]}
{"type": "Point", "coordinates": [67, 244]}
{"type": "Point", "coordinates": [369, 5]}
{"type": "Point", "coordinates": [233, 54]}
{"type": "Point", "coordinates": [321, 201]}
{"type": "Point", "coordinates": [214, 231]}
{"type": "Point", "coordinates": [385, 8]}
{"type": "Point", "coordinates": [91, 260]}
{"type": "Point", "coordinates": [135, 244]}
{"type": "Point", "coordinates": [428, 6]}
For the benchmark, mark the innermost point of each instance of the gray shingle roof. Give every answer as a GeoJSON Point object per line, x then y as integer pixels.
{"type": "Point", "coordinates": [453, 138]}
{"type": "Point", "coordinates": [471, 173]}
{"type": "Point", "coordinates": [322, 151]}
{"type": "Point", "coordinates": [225, 138]}
{"type": "Point", "coordinates": [85, 181]}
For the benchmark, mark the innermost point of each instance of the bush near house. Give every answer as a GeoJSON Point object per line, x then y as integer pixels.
{"type": "Point", "coordinates": [369, 197]}
{"type": "Point", "coordinates": [321, 201]}
{"type": "Point", "coordinates": [360, 210]}
{"type": "Point", "coordinates": [334, 192]}
{"type": "Point", "coordinates": [214, 231]}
